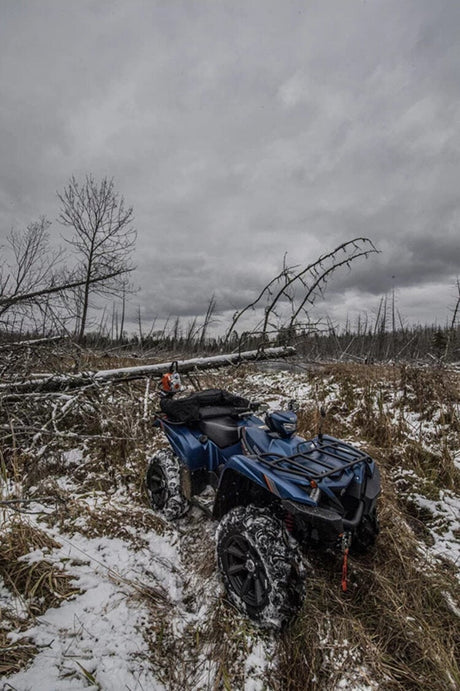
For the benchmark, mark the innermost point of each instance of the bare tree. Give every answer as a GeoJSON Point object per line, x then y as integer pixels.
{"type": "Point", "coordinates": [103, 238]}
{"type": "Point", "coordinates": [207, 319]}
{"type": "Point", "coordinates": [456, 308]}
{"type": "Point", "coordinates": [451, 332]}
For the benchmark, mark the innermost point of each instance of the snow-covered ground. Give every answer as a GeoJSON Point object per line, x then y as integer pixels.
{"type": "Point", "coordinates": [150, 600]}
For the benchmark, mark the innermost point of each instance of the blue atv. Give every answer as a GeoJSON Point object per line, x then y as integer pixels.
{"type": "Point", "coordinates": [275, 494]}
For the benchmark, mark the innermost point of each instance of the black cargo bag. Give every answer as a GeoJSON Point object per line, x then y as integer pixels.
{"type": "Point", "coordinates": [203, 405]}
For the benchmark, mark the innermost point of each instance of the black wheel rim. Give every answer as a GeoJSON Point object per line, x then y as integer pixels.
{"type": "Point", "coordinates": [245, 571]}
{"type": "Point", "coordinates": [156, 483]}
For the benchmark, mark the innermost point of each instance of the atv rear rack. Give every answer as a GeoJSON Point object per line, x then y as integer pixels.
{"type": "Point", "coordinates": [331, 448]}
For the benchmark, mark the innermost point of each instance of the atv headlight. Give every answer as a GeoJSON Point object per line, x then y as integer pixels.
{"type": "Point", "coordinates": [283, 422]}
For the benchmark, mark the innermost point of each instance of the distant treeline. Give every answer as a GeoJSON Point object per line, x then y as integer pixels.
{"type": "Point", "coordinates": [414, 343]}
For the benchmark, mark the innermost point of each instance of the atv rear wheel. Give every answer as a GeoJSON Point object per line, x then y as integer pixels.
{"type": "Point", "coordinates": [261, 571]}
{"type": "Point", "coordinates": [164, 486]}
{"type": "Point", "coordinates": [366, 534]}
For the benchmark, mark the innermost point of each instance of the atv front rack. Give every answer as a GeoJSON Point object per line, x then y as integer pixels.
{"type": "Point", "coordinates": [322, 453]}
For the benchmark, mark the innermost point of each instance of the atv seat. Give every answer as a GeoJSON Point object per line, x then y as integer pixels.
{"type": "Point", "coordinates": [223, 431]}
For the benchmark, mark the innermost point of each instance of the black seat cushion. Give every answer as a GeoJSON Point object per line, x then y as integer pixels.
{"type": "Point", "coordinates": [223, 431]}
{"type": "Point", "coordinates": [203, 405]}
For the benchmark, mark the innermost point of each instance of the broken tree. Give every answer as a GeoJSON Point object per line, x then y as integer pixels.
{"type": "Point", "coordinates": [64, 382]}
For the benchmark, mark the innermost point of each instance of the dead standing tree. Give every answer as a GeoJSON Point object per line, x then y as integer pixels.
{"type": "Point", "coordinates": [29, 267]}
{"type": "Point", "coordinates": [103, 239]}
{"type": "Point", "coordinates": [300, 286]}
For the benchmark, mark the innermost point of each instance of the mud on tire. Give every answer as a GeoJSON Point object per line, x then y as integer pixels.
{"type": "Point", "coordinates": [262, 573]}
{"type": "Point", "coordinates": [164, 485]}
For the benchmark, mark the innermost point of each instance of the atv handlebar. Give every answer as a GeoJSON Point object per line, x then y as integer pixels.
{"type": "Point", "coordinates": [258, 405]}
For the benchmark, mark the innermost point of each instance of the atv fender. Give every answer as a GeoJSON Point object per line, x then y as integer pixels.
{"type": "Point", "coordinates": [373, 486]}
{"type": "Point", "coordinates": [236, 489]}
{"type": "Point", "coordinates": [245, 481]}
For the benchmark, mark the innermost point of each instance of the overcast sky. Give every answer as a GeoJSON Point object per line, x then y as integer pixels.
{"type": "Point", "coordinates": [243, 130]}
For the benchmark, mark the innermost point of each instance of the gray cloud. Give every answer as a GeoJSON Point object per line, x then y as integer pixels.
{"type": "Point", "coordinates": [243, 130]}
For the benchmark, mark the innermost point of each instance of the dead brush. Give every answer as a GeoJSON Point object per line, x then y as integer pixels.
{"type": "Point", "coordinates": [104, 411]}
{"type": "Point", "coordinates": [435, 468]}
{"type": "Point", "coordinates": [14, 656]}
{"type": "Point", "coordinates": [219, 379]}
{"type": "Point", "coordinates": [227, 639]}
{"type": "Point", "coordinates": [88, 360]}
{"type": "Point", "coordinates": [40, 584]}
{"type": "Point", "coordinates": [184, 668]}
{"type": "Point", "coordinates": [358, 402]}
{"type": "Point", "coordinates": [380, 414]}
{"type": "Point", "coordinates": [373, 420]}
{"type": "Point", "coordinates": [365, 415]}
{"type": "Point", "coordinates": [424, 389]}
{"type": "Point", "coordinates": [309, 421]}
{"type": "Point", "coordinates": [126, 524]}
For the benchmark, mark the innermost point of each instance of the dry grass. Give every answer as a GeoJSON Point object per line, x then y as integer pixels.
{"type": "Point", "coordinates": [13, 656]}
{"type": "Point", "coordinates": [129, 524]}
{"type": "Point", "coordinates": [207, 654]}
{"type": "Point", "coordinates": [37, 584]}
{"type": "Point", "coordinates": [170, 638]}
{"type": "Point", "coordinates": [395, 628]}
{"type": "Point", "coordinates": [228, 640]}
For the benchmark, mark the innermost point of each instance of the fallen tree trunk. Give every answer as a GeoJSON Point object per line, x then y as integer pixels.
{"type": "Point", "coordinates": [64, 382]}
{"type": "Point", "coordinates": [32, 343]}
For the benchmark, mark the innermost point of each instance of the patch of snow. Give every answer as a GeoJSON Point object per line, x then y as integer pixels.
{"type": "Point", "coordinates": [457, 461]}
{"type": "Point", "coordinates": [444, 523]}
{"type": "Point", "coordinates": [100, 629]}
{"type": "Point", "coordinates": [72, 456]}
{"type": "Point", "coordinates": [255, 665]}
{"type": "Point", "coordinates": [33, 557]}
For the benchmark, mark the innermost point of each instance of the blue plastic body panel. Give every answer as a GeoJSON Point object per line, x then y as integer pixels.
{"type": "Point", "coordinates": [196, 454]}
{"type": "Point", "coordinates": [289, 468]}
{"type": "Point", "coordinates": [277, 483]}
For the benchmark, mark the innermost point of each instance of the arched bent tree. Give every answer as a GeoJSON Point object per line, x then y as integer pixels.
{"type": "Point", "coordinates": [299, 286]}
{"type": "Point", "coordinates": [103, 238]}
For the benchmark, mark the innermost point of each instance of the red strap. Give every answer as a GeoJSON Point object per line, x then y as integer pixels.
{"type": "Point", "coordinates": [345, 570]}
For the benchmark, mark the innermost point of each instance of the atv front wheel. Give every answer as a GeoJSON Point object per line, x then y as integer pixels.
{"type": "Point", "coordinates": [261, 572]}
{"type": "Point", "coordinates": [163, 485]}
